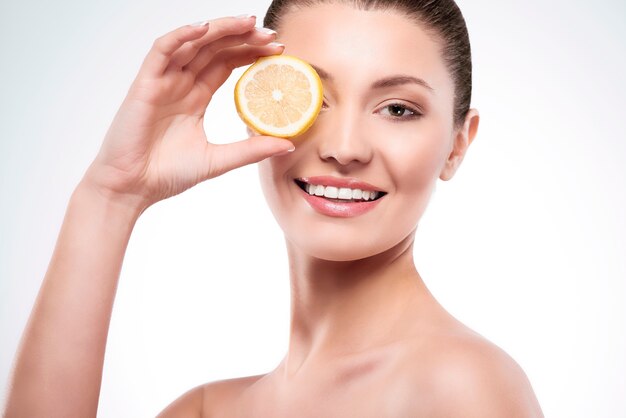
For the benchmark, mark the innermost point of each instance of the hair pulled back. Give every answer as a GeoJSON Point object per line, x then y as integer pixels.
{"type": "Point", "coordinates": [441, 18]}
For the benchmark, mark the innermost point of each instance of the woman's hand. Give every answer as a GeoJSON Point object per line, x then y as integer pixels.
{"type": "Point", "coordinates": [156, 146]}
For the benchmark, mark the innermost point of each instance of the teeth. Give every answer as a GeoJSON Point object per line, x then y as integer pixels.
{"type": "Point", "coordinates": [344, 193]}
{"type": "Point", "coordinates": [331, 192]}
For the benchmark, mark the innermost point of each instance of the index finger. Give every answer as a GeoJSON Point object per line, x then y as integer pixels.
{"type": "Point", "coordinates": [164, 47]}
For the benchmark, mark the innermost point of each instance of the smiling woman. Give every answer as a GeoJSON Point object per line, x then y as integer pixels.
{"type": "Point", "coordinates": [387, 120]}
{"type": "Point", "coordinates": [367, 338]}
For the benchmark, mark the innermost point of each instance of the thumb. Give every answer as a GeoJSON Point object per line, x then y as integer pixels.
{"type": "Point", "coordinates": [226, 157]}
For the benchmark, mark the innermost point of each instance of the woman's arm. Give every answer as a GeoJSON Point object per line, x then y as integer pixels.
{"type": "Point", "coordinates": [59, 364]}
{"type": "Point", "coordinates": [155, 148]}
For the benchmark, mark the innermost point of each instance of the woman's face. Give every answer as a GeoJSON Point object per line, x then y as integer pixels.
{"type": "Point", "coordinates": [386, 121]}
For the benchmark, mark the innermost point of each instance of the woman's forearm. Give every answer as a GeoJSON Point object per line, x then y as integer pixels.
{"type": "Point", "coordinates": [58, 366]}
{"type": "Point", "coordinates": [156, 147]}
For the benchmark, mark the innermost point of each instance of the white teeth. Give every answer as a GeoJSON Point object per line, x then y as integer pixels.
{"type": "Point", "coordinates": [345, 193]}
{"type": "Point", "coordinates": [331, 192]}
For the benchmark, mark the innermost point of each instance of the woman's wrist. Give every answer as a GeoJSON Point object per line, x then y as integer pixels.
{"type": "Point", "coordinates": [124, 207]}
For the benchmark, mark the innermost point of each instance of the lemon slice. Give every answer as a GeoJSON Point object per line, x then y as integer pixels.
{"type": "Point", "coordinates": [279, 95]}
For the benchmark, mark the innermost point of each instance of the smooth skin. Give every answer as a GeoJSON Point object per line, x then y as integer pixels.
{"type": "Point", "coordinates": [155, 148]}
{"type": "Point", "coordinates": [367, 338]}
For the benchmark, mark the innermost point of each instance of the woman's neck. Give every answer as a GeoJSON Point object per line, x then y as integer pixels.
{"type": "Point", "coordinates": [343, 308]}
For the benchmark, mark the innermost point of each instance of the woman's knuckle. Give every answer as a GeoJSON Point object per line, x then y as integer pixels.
{"type": "Point", "coordinates": [159, 43]}
{"type": "Point", "coordinates": [226, 27]}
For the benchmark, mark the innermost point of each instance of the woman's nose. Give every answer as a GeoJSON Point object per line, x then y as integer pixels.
{"type": "Point", "coordinates": [344, 138]}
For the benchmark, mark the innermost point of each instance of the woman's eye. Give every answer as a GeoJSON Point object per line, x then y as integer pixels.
{"type": "Point", "coordinates": [399, 111]}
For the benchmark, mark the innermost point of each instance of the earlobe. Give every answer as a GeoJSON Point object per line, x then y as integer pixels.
{"type": "Point", "coordinates": [462, 140]}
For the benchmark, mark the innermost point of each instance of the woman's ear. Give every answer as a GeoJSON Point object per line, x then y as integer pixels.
{"type": "Point", "coordinates": [462, 140]}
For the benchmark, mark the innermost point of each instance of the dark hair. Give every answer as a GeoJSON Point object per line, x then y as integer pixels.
{"type": "Point", "coordinates": [441, 18]}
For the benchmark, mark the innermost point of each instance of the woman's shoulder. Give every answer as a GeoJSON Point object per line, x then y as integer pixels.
{"type": "Point", "coordinates": [206, 400]}
{"type": "Point", "coordinates": [456, 369]}
{"type": "Point", "coordinates": [221, 395]}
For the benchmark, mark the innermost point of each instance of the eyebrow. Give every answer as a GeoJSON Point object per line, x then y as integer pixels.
{"type": "Point", "coordinates": [391, 81]}
{"type": "Point", "coordinates": [323, 74]}
{"type": "Point", "coordinates": [399, 80]}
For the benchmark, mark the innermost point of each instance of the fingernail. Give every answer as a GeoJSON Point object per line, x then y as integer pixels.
{"type": "Point", "coordinates": [276, 44]}
{"type": "Point", "coordinates": [287, 151]}
{"type": "Point", "coordinates": [244, 16]}
{"type": "Point", "coordinates": [201, 23]}
{"type": "Point", "coordinates": [266, 31]}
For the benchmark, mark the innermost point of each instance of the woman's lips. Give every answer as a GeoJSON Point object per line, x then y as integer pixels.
{"type": "Point", "coordinates": [332, 204]}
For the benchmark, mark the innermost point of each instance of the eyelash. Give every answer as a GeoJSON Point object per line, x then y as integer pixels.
{"type": "Point", "coordinates": [414, 113]}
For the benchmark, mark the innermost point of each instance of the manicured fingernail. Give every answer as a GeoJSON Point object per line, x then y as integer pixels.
{"type": "Point", "coordinates": [276, 44]}
{"type": "Point", "coordinates": [245, 16]}
{"type": "Point", "coordinates": [202, 23]}
{"type": "Point", "coordinates": [285, 152]}
{"type": "Point", "coordinates": [266, 31]}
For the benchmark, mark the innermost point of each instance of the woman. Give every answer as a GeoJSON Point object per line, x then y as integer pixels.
{"type": "Point", "coordinates": [367, 338]}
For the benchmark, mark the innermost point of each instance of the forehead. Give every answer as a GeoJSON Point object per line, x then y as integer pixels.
{"type": "Point", "coordinates": [361, 45]}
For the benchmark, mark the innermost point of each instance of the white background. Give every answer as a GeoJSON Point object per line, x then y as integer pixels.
{"type": "Point", "coordinates": [526, 244]}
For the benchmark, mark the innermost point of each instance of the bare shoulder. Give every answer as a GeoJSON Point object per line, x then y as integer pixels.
{"type": "Point", "coordinates": [220, 396]}
{"type": "Point", "coordinates": [206, 401]}
{"type": "Point", "coordinates": [460, 373]}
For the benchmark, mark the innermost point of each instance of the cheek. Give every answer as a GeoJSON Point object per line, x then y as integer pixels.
{"type": "Point", "coordinates": [267, 179]}
{"type": "Point", "coordinates": [414, 155]}
{"type": "Point", "coordinates": [265, 173]}
{"type": "Point", "coordinates": [414, 160]}
{"type": "Point", "coordinates": [275, 184]}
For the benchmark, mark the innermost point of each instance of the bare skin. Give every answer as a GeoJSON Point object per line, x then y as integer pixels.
{"type": "Point", "coordinates": [155, 148]}
{"type": "Point", "coordinates": [426, 364]}
{"type": "Point", "coordinates": [367, 337]}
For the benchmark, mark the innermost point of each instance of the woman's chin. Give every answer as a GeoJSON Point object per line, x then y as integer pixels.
{"type": "Point", "coordinates": [324, 254]}
{"type": "Point", "coordinates": [339, 250]}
